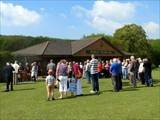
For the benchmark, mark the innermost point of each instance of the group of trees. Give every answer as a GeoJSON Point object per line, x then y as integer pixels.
{"type": "Point", "coordinates": [8, 44]}
{"type": "Point", "coordinates": [134, 40]}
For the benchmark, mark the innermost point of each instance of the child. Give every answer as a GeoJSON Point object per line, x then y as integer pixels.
{"type": "Point", "coordinates": [73, 86]}
{"type": "Point", "coordinates": [50, 85]}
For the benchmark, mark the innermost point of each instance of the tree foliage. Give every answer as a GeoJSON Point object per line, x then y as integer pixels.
{"type": "Point", "coordinates": [155, 44]}
{"type": "Point", "coordinates": [13, 43]}
{"type": "Point", "coordinates": [108, 37]}
{"type": "Point", "coordinates": [134, 40]}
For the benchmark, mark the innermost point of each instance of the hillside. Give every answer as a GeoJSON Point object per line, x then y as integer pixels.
{"type": "Point", "coordinates": [155, 44]}
{"type": "Point", "coordinates": [13, 43]}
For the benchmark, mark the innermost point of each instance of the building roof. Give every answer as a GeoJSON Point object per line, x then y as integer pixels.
{"type": "Point", "coordinates": [61, 47]}
{"type": "Point", "coordinates": [33, 50]}
{"type": "Point", "coordinates": [80, 44]}
{"type": "Point", "coordinates": [58, 47]}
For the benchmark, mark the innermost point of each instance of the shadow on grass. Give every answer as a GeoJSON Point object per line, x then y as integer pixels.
{"type": "Point", "coordinates": [88, 94]}
{"type": "Point", "coordinates": [20, 89]}
{"type": "Point", "coordinates": [72, 97]}
{"type": "Point", "coordinates": [85, 86]}
{"type": "Point", "coordinates": [156, 85]}
{"type": "Point", "coordinates": [103, 91]}
{"type": "Point", "coordinates": [126, 83]}
{"type": "Point", "coordinates": [123, 90]}
{"type": "Point", "coordinates": [129, 89]}
{"type": "Point", "coordinates": [156, 81]}
{"type": "Point", "coordinates": [141, 86]}
{"type": "Point", "coordinates": [24, 89]}
{"type": "Point", "coordinates": [26, 82]}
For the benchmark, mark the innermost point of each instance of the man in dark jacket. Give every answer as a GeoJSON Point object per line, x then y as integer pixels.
{"type": "Point", "coordinates": [147, 72]}
{"type": "Point", "coordinates": [8, 75]}
{"type": "Point", "coordinates": [132, 71]}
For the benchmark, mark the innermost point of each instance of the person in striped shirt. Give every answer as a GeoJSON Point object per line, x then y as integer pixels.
{"type": "Point", "coordinates": [94, 74]}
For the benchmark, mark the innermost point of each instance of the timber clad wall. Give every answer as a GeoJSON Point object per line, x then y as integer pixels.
{"type": "Point", "coordinates": [99, 48]}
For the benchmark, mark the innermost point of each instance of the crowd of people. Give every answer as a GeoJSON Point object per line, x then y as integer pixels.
{"type": "Point", "coordinates": [67, 75]}
{"type": "Point", "coordinates": [15, 73]}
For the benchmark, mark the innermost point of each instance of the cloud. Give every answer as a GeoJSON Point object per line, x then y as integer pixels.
{"type": "Point", "coordinates": [16, 15]}
{"type": "Point", "coordinates": [152, 29]}
{"type": "Point", "coordinates": [63, 15]}
{"type": "Point", "coordinates": [104, 25]}
{"type": "Point", "coordinates": [80, 11]}
{"type": "Point", "coordinates": [72, 28]}
{"type": "Point", "coordinates": [42, 9]}
{"type": "Point", "coordinates": [106, 16]}
{"type": "Point", "coordinates": [113, 10]}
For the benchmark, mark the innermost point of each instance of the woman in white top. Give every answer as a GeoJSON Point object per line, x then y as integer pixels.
{"type": "Point", "coordinates": [141, 72]}
{"type": "Point", "coordinates": [34, 71]}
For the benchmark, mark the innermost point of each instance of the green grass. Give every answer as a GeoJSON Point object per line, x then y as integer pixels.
{"type": "Point", "coordinates": [28, 102]}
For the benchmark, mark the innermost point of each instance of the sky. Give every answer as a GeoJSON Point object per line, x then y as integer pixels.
{"type": "Point", "coordinates": [72, 19]}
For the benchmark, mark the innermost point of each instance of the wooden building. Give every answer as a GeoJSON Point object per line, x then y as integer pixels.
{"type": "Point", "coordinates": [72, 50]}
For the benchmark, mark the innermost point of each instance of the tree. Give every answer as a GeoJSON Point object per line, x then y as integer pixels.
{"type": "Point", "coordinates": [155, 51]}
{"type": "Point", "coordinates": [95, 35]}
{"type": "Point", "coordinates": [134, 40]}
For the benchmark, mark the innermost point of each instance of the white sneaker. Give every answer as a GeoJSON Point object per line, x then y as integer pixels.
{"type": "Point", "coordinates": [92, 91]}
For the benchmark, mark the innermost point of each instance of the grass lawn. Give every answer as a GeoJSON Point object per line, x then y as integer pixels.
{"type": "Point", "coordinates": [28, 102]}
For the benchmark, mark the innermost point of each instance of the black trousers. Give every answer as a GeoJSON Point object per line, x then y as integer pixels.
{"type": "Point", "coordinates": [95, 82]}
{"type": "Point", "coordinates": [9, 81]}
{"type": "Point", "coordinates": [116, 83]}
{"type": "Point", "coordinates": [120, 81]}
{"type": "Point", "coordinates": [141, 76]}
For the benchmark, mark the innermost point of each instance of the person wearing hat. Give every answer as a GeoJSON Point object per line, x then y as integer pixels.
{"type": "Point", "coordinates": [34, 71]}
{"type": "Point", "coordinates": [50, 85]}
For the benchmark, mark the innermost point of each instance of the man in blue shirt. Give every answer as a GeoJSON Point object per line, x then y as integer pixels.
{"type": "Point", "coordinates": [120, 73]}
{"type": "Point", "coordinates": [114, 69]}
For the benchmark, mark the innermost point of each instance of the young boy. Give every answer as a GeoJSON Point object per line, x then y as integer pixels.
{"type": "Point", "coordinates": [50, 85]}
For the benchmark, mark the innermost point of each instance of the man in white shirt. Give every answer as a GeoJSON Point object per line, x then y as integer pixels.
{"type": "Point", "coordinates": [15, 73]}
{"type": "Point", "coordinates": [94, 74]}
